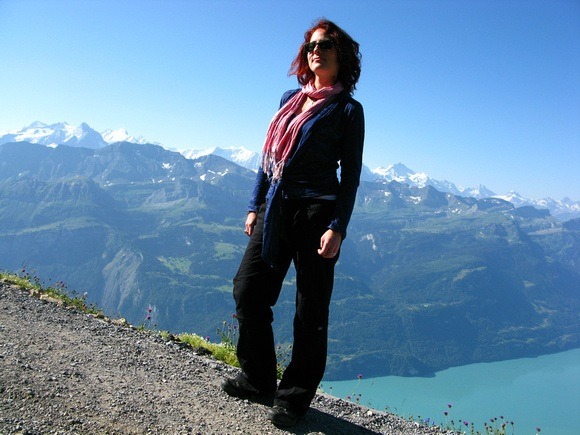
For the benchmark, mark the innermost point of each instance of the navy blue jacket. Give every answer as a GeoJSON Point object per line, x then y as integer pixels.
{"type": "Point", "coordinates": [335, 134]}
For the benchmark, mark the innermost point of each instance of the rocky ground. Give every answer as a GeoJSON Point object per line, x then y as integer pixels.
{"type": "Point", "coordinates": [63, 371]}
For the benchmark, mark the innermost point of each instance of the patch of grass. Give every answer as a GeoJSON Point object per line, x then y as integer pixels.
{"type": "Point", "coordinates": [57, 291]}
{"type": "Point", "coordinates": [223, 351]}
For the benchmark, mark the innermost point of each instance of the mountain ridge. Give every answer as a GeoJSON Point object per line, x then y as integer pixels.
{"type": "Point", "coordinates": [83, 135]}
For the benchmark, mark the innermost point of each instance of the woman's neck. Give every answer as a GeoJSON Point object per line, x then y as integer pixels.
{"type": "Point", "coordinates": [321, 82]}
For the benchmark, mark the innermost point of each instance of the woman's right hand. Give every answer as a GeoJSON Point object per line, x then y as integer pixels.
{"type": "Point", "coordinates": [251, 220]}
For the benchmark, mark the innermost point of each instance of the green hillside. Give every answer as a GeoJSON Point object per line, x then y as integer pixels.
{"type": "Point", "coordinates": [426, 280]}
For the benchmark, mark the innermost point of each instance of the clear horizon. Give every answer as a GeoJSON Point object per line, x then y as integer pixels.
{"type": "Point", "coordinates": [480, 92]}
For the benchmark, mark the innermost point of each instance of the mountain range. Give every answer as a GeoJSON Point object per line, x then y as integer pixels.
{"type": "Point", "coordinates": [84, 136]}
{"type": "Point", "coordinates": [426, 280]}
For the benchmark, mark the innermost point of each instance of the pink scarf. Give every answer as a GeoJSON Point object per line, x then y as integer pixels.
{"type": "Point", "coordinates": [283, 130]}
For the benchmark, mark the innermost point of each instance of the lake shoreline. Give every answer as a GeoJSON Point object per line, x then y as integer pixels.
{"type": "Point", "coordinates": [532, 392]}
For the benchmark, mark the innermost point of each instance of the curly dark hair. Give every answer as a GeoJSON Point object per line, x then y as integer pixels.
{"type": "Point", "coordinates": [347, 50]}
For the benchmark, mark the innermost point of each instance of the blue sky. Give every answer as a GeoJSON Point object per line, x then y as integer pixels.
{"type": "Point", "coordinates": [469, 91]}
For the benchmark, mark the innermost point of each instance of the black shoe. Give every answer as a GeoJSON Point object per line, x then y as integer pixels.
{"type": "Point", "coordinates": [281, 416]}
{"type": "Point", "coordinates": [240, 388]}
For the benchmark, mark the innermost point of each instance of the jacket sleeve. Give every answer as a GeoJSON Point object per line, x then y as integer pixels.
{"type": "Point", "coordinates": [259, 192]}
{"type": "Point", "coordinates": [261, 183]}
{"type": "Point", "coordinates": [350, 165]}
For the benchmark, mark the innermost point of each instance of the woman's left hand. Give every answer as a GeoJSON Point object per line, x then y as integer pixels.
{"type": "Point", "coordinates": [330, 244]}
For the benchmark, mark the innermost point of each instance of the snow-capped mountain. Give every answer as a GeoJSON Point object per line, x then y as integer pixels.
{"type": "Point", "coordinates": [61, 133]}
{"type": "Point", "coordinates": [564, 209]}
{"type": "Point", "coordinates": [121, 135]}
{"type": "Point", "coordinates": [241, 156]}
{"type": "Point", "coordinates": [402, 174]}
{"type": "Point", "coordinates": [84, 136]}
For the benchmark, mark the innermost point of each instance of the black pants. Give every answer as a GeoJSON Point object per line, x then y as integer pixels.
{"type": "Point", "coordinates": [256, 290]}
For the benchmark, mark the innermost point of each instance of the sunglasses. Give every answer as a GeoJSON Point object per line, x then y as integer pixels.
{"type": "Point", "coordinates": [324, 45]}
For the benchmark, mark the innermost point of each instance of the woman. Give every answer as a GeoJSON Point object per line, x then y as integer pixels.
{"type": "Point", "coordinates": [299, 212]}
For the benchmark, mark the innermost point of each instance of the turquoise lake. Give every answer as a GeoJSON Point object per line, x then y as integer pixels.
{"type": "Point", "coordinates": [539, 392]}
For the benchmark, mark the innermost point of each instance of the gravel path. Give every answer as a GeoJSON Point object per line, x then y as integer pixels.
{"type": "Point", "coordinates": [66, 372]}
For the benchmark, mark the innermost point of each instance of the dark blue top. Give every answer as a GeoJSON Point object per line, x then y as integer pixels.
{"type": "Point", "coordinates": [335, 134]}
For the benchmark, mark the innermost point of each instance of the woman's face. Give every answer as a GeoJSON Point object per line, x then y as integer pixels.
{"type": "Point", "coordinates": [323, 63]}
